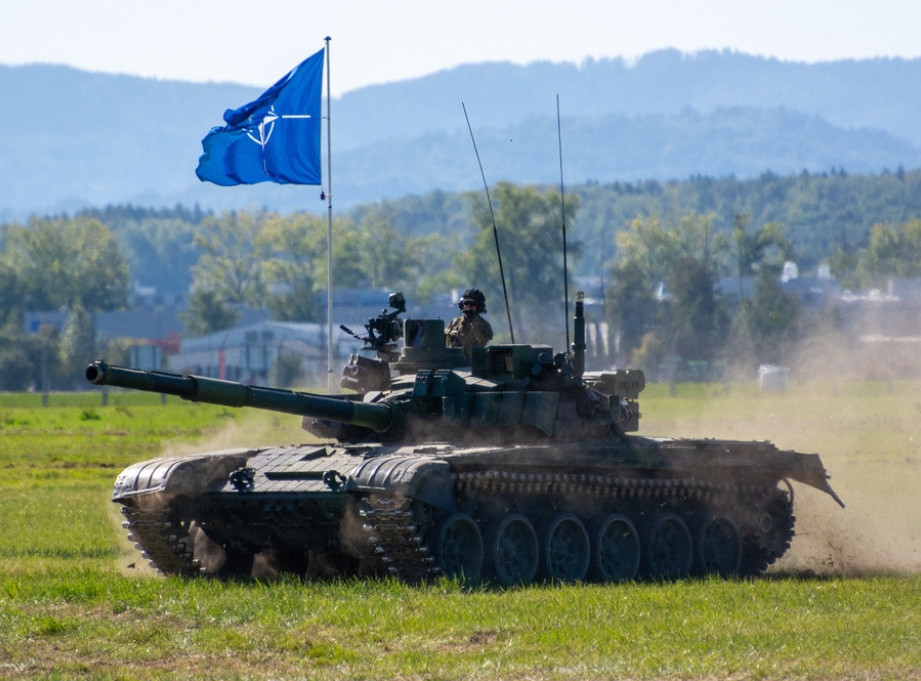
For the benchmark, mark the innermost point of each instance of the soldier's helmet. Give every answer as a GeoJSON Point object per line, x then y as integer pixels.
{"type": "Point", "coordinates": [476, 297]}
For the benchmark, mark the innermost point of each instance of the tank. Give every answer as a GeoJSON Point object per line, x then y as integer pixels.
{"type": "Point", "coordinates": [510, 467]}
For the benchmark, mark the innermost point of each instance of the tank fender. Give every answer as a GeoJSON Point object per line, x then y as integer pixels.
{"type": "Point", "coordinates": [427, 479]}
{"type": "Point", "coordinates": [177, 476]}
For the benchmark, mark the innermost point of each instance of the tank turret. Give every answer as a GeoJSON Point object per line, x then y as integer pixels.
{"type": "Point", "coordinates": [427, 391]}
{"type": "Point", "coordinates": [509, 393]}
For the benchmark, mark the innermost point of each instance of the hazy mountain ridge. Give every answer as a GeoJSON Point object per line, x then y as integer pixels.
{"type": "Point", "coordinates": [876, 93]}
{"type": "Point", "coordinates": [79, 138]}
{"type": "Point", "coordinates": [725, 142]}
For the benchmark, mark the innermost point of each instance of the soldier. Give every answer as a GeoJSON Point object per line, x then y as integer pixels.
{"type": "Point", "coordinates": [470, 328]}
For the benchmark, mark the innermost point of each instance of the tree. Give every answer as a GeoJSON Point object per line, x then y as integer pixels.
{"type": "Point", "coordinates": [696, 322]}
{"type": "Point", "coordinates": [766, 247]}
{"type": "Point", "coordinates": [162, 252]}
{"type": "Point", "coordinates": [659, 245]}
{"type": "Point", "coordinates": [208, 313]}
{"type": "Point", "coordinates": [382, 255]}
{"type": "Point", "coordinates": [435, 255]}
{"type": "Point", "coordinates": [62, 261]}
{"type": "Point", "coordinates": [766, 325]}
{"type": "Point", "coordinates": [231, 260]}
{"type": "Point", "coordinates": [28, 360]}
{"type": "Point", "coordinates": [530, 238]}
{"type": "Point", "coordinates": [632, 305]}
{"type": "Point", "coordinates": [78, 342]}
{"type": "Point", "coordinates": [649, 356]}
{"type": "Point", "coordinates": [684, 255]}
{"type": "Point", "coordinates": [75, 264]}
{"type": "Point", "coordinates": [387, 256]}
{"type": "Point", "coordinates": [893, 250]}
{"type": "Point", "coordinates": [228, 272]}
{"type": "Point", "coordinates": [280, 262]}
{"type": "Point", "coordinates": [260, 260]}
{"type": "Point", "coordinates": [295, 247]}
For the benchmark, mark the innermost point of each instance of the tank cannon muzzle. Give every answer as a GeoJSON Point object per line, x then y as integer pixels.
{"type": "Point", "coordinates": [377, 417]}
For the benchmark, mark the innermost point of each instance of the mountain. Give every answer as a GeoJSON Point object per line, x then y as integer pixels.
{"type": "Point", "coordinates": [76, 139]}
{"type": "Point", "coordinates": [874, 93]}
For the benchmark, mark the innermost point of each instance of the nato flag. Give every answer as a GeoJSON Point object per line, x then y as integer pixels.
{"type": "Point", "coordinates": [276, 138]}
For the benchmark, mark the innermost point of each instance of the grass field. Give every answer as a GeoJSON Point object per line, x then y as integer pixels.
{"type": "Point", "coordinates": [845, 603]}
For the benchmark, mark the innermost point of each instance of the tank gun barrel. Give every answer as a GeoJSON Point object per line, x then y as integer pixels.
{"type": "Point", "coordinates": [232, 394]}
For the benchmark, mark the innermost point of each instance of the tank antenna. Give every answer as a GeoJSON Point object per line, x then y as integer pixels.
{"type": "Point", "coordinates": [559, 137]}
{"type": "Point", "coordinates": [495, 230]}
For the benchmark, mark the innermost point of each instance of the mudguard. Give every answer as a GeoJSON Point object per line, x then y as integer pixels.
{"type": "Point", "coordinates": [427, 479]}
{"type": "Point", "coordinates": [176, 476]}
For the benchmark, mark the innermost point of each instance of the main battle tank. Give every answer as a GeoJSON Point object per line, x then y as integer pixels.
{"type": "Point", "coordinates": [509, 467]}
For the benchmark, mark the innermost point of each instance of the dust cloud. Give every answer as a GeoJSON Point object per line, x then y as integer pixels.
{"type": "Point", "coordinates": [878, 532]}
{"type": "Point", "coordinates": [858, 406]}
{"type": "Point", "coordinates": [251, 428]}
{"type": "Point", "coordinates": [869, 437]}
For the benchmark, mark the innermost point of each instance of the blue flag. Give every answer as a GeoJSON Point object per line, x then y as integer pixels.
{"type": "Point", "coordinates": [275, 138]}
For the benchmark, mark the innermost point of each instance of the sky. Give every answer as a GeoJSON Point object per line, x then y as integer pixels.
{"type": "Point", "coordinates": [380, 41]}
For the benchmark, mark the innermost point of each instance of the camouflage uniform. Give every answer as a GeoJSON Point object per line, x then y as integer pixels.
{"type": "Point", "coordinates": [466, 332]}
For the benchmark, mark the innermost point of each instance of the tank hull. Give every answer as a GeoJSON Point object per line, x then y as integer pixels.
{"type": "Point", "coordinates": [630, 507]}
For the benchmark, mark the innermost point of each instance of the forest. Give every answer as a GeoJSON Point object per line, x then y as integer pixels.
{"type": "Point", "coordinates": [625, 241]}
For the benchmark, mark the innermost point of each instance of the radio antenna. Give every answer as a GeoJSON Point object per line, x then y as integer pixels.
{"type": "Point", "coordinates": [495, 230]}
{"type": "Point", "coordinates": [559, 137]}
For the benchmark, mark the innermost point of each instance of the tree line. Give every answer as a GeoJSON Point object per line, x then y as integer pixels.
{"type": "Point", "coordinates": [639, 239]}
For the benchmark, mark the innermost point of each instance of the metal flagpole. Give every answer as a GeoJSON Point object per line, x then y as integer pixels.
{"type": "Point", "coordinates": [329, 232]}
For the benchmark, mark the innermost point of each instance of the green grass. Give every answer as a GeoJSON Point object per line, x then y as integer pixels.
{"type": "Point", "coordinates": [78, 432]}
{"type": "Point", "coordinates": [71, 607]}
{"type": "Point", "coordinates": [116, 627]}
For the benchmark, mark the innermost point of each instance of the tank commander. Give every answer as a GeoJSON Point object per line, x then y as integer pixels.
{"type": "Point", "coordinates": [469, 329]}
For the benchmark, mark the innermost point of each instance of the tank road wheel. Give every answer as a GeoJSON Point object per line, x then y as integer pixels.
{"type": "Point", "coordinates": [459, 548]}
{"type": "Point", "coordinates": [565, 553]}
{"type": "Point", "coordinates": [512, 550]}
{"type": "Point", "coordinates": [719, 547]}
{"type": "Point", "coordinates": [668, 546]}
{"type": "Point", "coordinates": [616, 553]}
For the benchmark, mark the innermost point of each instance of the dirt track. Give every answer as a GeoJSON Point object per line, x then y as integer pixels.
{"type": "Point", "coordinates": [869, 438]}
{"type": "Point", "coordinates": [880, 528]}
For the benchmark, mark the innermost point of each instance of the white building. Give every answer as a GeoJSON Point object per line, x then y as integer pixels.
{"type": "Point", "coordinates": [249, 354]}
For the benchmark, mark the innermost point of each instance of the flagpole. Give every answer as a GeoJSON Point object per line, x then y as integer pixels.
{"type": "Point", "coordinates": [329, 232]}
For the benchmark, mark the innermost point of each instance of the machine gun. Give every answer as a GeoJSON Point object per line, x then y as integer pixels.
{"type": "Point", "coordinates": [384, 330]}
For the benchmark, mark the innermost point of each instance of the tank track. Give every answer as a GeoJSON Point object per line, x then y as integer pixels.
{"type": "Point", "coordinates": [162, 540]}
{"type": "Point", "coordinates": [395, 537]}
{"type": "Point", "coordinates": [396, 528]}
